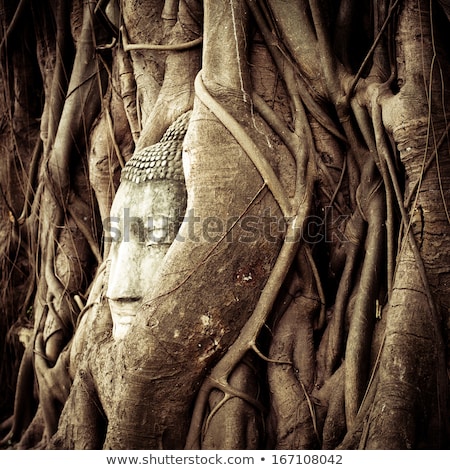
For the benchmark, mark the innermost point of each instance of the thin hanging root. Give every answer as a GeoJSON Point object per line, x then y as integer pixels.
{"type": "Point", "coordinates": [353, 439]}
{"type": "Point", "coordinates": [33, 171]}
{"type": "Point", "coordinates": [336, 198]}
{"type": "Point", "coordinates": [289, 138]}
{"type": "Point", "coordinates": [158, 47]}
{"type": "Point", "coordinates": [21, 7]}
{"type": "Point", "coordinates": [371, 51]}
{"type": "Point", "coordinates": [213, 412]}
{"type": "Point", "coordinates": [372, 379]}
{"type": "Point", "coordinates": [267, 359]}
{"type": "Point", "coordinates": [312, 411]}
{"type": "Point", "coordinates": [319, 322]}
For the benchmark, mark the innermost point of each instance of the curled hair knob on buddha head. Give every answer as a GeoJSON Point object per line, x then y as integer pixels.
{"type": "Point", "coordinates": [160, 161]}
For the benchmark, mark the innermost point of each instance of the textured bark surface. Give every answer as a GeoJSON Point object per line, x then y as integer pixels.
{"type": "Point", "coordinates": [304, 302]}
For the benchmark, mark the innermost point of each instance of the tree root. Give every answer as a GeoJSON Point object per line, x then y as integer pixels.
{"type": "Point", "coordinates": [291, 371]}
{"type": "Point", "coordinates": [159, 47]}
{"type": "Point", "coordinates": [335, 425]}
{"type": "Point", "coordinates": [235, 420]}
{"type": "Point", "coordinates": [54, 384]}
{"type": "Point", "coordinates": [247, 144]}
{"type": "Point", "coordinates": [357, 355]}
{"type": "Point", "coordinates": [332, 345]}
{"type": "Point", "coordinates": [219, 375]}
{"type": "Point", "coordinates": [24, 403]}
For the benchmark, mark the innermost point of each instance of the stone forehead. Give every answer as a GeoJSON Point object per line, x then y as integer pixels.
{"type": "Point", "coordinates": [160, 161]}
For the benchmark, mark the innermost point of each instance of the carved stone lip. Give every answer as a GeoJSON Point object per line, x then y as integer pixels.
{"type": "Point", "coordinates": [124, 309]}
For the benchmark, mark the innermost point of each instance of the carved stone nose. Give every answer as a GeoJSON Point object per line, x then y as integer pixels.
{"type": "Point", "coordinates": [124, 281]}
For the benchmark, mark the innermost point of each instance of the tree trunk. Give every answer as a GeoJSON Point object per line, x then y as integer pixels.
{"type": "Point", "coordinates": [176, 326]}
{"type": "Point", "coordinates": [304, 301]}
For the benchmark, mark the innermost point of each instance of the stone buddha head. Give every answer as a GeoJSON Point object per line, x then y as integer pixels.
{"type": "Point", "coordinates": [144, 220]}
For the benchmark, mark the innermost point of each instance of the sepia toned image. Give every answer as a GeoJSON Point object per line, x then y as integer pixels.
{"type": "Point", "coordinates": [225, 225]}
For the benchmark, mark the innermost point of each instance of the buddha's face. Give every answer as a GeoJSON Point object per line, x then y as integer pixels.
{"type": "Point", "coordinates": [144, 221]}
